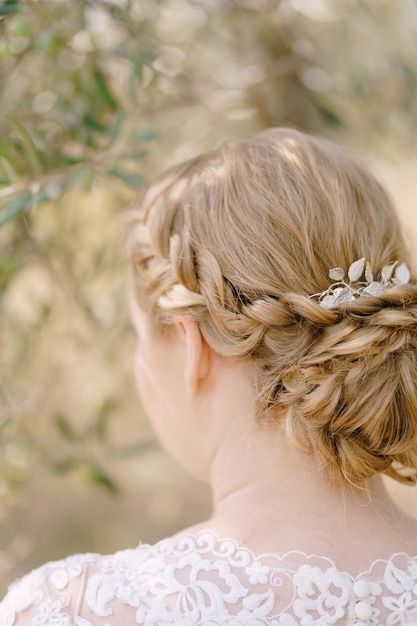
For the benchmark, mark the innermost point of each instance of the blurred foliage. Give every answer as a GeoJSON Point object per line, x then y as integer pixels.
{"type": "Point", "coordinates": [96, 96]}
{"type": "Point", "coordinates": [79, 79]}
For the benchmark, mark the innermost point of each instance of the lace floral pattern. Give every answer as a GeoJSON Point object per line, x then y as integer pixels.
{"type": "Point", "coordinates": [202, 580]}
{"type": "Point", "coordinates": [30, 592]}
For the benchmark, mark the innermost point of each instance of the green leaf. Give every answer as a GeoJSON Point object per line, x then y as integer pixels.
{"type": "Point", "coordinates": [137, 156]}
{"type": "Point", "coordinates": [93, 124]}
{"type": "Point", "coordinates": [7, 174]}
{"type": "Point", "coordinates": [103, 91]}
{"type": "Point", "coordinates": [28, 200]}
{"type": "Point", "coordinates": [20, 26]}
{"type": "Point", "coordinates": [135, 75]}
{"type": "Point", "coordinates": [330, 116]}
{"type": "Point", "coordinates": [28, 145]}
{"type": "Point", "coordinates": [97, 476]}
{"type": "Point", "coordinates": [65, 428]}
{"type": "Point", "coordinates": [8, 267]}
{"type": "Point", "coordinates": [114, 131]}
{"type": "Point", "coordinates": [13, 207]}
{"type": "Point", "coordinates": [48, 43]}
{"type": "Point", "coordinates": [66, 159]}
{"type": "Point", "coordinates": [52, 190]}
{"type": "Point", "coordinates": [145, 135]}
{"type": "Point", "coordinates": [9, 164]}
{"type": "Point", "coordinates": [135, 180]}
{"type": "Point", "coordinates": [104, 413]}
{"type": "Point", "coordinates": [9, 7]}
{"type": "Point", "coordinates": [136, 449]}
{"type": "Point", "coordinates": [86, 180]}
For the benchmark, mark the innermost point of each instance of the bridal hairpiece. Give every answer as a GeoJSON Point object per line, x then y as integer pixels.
{"type": "Point", "coordinates": [360, 282]}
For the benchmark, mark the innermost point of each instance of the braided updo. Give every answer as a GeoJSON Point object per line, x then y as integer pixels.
{"type": "Point", "coordinates": [240, 238]}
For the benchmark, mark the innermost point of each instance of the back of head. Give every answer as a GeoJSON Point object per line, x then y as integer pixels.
{"type": "Point", "coordinates": [240, 238]}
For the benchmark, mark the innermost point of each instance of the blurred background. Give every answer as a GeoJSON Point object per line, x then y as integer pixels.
{"type": "Point", "coordinates": [96, 98]}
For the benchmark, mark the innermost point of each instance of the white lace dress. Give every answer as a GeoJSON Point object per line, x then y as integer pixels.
{"type": "Point", "coordinates": [202, 580]}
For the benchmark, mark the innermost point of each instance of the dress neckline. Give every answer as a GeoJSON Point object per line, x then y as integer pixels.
{"type": "Point", "coordinates": [206, 540]}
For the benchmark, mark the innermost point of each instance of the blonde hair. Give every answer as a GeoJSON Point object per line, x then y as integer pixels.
{"type": "Point", "coordinates": [239, 238]}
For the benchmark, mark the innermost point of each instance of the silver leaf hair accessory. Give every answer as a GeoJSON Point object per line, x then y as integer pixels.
{"type": "Point", "coordinates": [360, 282]}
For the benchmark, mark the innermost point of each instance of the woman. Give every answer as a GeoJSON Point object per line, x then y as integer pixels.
{"type": "Point", "coordinates": [277, 359]}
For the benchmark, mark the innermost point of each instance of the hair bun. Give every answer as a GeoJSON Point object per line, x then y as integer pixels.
{"type": "Point", "coordinates": [353, 394]}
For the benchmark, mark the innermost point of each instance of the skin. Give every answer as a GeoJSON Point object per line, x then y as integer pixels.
{"type": "Point", "coordinates": [267, 494]}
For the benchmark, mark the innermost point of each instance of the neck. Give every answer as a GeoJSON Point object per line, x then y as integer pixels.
{"type": "Point", "coordinates": [262, 483]}
{"type": "Point", "coordinates": [265, 463]}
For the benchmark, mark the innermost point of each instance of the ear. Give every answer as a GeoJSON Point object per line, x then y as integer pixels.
{"type": "Point", "coordinates": [198, 354]}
